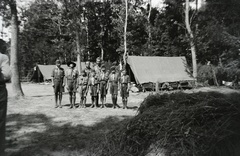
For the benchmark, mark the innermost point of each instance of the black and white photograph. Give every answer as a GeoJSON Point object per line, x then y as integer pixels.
{"type": "Point", "coordinates": [119, 77]}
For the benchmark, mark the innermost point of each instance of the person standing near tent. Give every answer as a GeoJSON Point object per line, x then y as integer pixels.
{"type": "Point", "coordinates": [88, 69]}
{"type": "Point", "coordinates": [71, 76]}
{"type": "Point", "coordinates": [94, 88]}
{"type": "Point", "coordinates": [5, 75]}
{"type": "Point", "coordinates": [97, 69]}
{"type": "Point", "coordinates": [58, 83]}
{"type": "Point", "coordinates": [83, 88]}
{"type": "Point", "coordinates": [113, 84]}
{"type": "Point", "coordinates": [97, 66]}
{"type": "Point", "coordinates": [124, 88]}
{"type": "Point", "coordinates": [103, 80]}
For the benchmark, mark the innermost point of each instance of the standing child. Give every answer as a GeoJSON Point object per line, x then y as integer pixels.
{"type": "Point", "coordinates": [103, 80]}
{"type": "Point", "coordinates": [71, 82]}
{"type": "Point", "coordinates": [83, 88]}
{"type": "Point", "coordinates": [124, 88]}
{"type": "Point", "coordinates": [113, 84]}
{"type": "Point", "coordinates": [94, 88]}
{"type": "Point", "coordinates": [58, 83]}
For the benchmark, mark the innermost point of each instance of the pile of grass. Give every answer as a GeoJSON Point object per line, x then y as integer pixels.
{"type": "Point", "coordinates": [180, 124]}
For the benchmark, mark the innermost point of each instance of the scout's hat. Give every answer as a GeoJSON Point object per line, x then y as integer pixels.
{"type": "Point", "coordinates": [58, 62]}
{"type": "Point", "coordinates": [70, 62]}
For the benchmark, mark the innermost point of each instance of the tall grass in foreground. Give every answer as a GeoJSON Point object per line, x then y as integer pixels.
{"type": "Point", "coordinates": [179, 124]}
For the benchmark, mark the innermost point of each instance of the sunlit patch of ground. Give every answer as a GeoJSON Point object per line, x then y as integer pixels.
{"type": "Point", "coordinates": [33, 122]}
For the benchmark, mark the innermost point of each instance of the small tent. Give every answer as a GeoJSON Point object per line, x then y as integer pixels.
{"type": "Point", "coordinates": [43, 72]}
{"type": "Point", "coordinates": [154, 69]}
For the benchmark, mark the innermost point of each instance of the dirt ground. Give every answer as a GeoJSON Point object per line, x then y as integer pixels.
{"type": "Point", "coordinates": [36, 111]}
{"type": "Point", "coordinates": [34, 123]}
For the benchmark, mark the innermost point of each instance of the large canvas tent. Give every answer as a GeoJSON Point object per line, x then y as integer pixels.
{"type": "Point", "coordinates": [158, 69]}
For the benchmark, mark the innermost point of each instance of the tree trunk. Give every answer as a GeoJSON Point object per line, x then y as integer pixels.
{"type": "Point", "coordinates": [102, 52]}
{"type": "Point", "coordinates": [149, 27]}
{"type": "Point", "coordinates": [125, 33]}
{"type": "Point", "coordinates": [192, 44]}
{"type": "Point", "coordinates": [16, 85]}
{"type": "Point", "coordinates": [79, 67]}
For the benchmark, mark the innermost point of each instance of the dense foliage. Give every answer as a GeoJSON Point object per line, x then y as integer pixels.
{"type": "Point", "coordinates": [49, 30]}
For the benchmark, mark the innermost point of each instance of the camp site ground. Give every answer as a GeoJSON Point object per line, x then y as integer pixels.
{"type": "Point", "coordinates": [33, 119]}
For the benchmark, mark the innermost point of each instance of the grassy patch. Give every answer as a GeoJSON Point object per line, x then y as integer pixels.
{"type": "Point", "coordinates": [181, 124]}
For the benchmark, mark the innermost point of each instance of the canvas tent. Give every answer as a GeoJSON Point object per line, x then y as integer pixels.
{"type": "Point", "coordinates": [43, 72]}
{"type": "Point", "coordinates": [158, 69]}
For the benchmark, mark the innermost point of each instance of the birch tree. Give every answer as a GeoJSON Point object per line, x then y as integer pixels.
{"type": "Point", "coordinates": [191, 40]}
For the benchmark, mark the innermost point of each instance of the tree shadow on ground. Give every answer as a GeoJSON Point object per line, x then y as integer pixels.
{"type": "Point", "coordinates": [41, 136]}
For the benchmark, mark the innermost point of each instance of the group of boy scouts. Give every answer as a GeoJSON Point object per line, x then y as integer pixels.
{"type": "Point", "coordinates": [96, 80]}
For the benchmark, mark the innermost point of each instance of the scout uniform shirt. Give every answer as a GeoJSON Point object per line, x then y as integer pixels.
{"type": "Point", "coordinates": [113, 80]}
{"type": "Point", "coordinates": [58, 74]}
{"type": "Point", "coordinates": [88, 71]}
{"type": "Point", "coordinates": [124, 81]}
{"type": "Point", "coordinates": [71, 74]}
{"type": "Point", "coordinates": [93, 82]}
{"type": "Point", "coordinates": [103, 78]}
{"type": "Point", "coordinates": [83, 82]}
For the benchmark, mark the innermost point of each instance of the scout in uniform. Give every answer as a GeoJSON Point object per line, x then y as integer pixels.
{"type": "Point", "coordinates": [103, 81]}
{"type": "Point", "coordinates": [83, 88]}
{"type": "Point", "coordinates": [88, 69]}
{"type": "Point", "coordinates": [71, 82]}
{"type": "Point", "coordinates": [113, 84]}
{"type": "Point", "coordinates": [97, 69]}
{"type": "Point", "coordinates": [57, 83]}
{"type": "Point", "coordinates": [124, 88]}
{"type": "Point", "coordinates": [94, 88]}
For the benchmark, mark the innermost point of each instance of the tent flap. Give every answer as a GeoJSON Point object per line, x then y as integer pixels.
{"type": "Point", "coordinates": [158, 69]}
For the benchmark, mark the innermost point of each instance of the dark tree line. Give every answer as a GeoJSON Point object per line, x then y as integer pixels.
{"type": "Point", "coordinates": [50, 28]}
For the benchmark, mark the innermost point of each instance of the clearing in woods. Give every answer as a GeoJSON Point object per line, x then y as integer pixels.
{"type": "Point", "coordinates": [35, 127]}
{"type": "Point", "coordinates": [34, 117]}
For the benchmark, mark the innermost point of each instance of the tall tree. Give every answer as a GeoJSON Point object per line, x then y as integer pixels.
{"type": "Point", "coordinates": [191, 39]}
{"type": "Point", "coordinates": [149, 27]}
{"type": "Point", "coordinates": [16, 85]}
{"type": "Point", "coordinates": [125, 32]}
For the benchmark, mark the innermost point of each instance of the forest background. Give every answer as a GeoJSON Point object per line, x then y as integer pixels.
{"type": "Point", "coordinates": [48, 32]}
